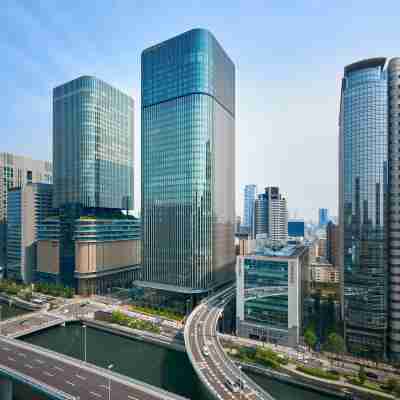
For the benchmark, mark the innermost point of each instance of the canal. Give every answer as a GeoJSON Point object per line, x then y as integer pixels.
{"type": "Point", "coordinates": [156, 365]}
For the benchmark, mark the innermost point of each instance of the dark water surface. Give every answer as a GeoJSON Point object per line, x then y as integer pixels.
{"type": "Point", "coordinates": [156, 365]}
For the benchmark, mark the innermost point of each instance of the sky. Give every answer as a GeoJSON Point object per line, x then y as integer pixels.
{"type": "Point", "coordinates": [289, 58]}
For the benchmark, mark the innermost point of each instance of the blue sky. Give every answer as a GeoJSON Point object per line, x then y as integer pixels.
{"type": "Point", "coordinates": [289, 57]}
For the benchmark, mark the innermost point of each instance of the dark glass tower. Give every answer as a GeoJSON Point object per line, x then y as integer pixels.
{"type": "Point", "coordinates": [363, 205]}
{"type": "Point", "coordinates": [188, 151]}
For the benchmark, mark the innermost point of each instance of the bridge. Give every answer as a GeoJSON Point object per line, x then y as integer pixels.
{"type": "Point", "coordinates": [210, 362]}
{"type": "Point", "coordinates": [65, 378]}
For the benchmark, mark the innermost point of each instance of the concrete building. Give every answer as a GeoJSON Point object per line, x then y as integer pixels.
{"type": "Point", "coordinates": [16, 171]}
{"type": "Point", "coordinates": [270, 292]}
{"type": "Point", "coordinates": [28, 206]}
{"type": "Point", "coordinates": [107, 253]}
{"type": "Point", "coordinates": [188, 165]}
{"type": "Point", "coordinates": [324, 272]}
{"type": "Point", "coordinates": [271, 216]}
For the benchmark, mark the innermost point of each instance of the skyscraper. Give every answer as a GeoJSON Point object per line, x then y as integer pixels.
{"type": "Point", "coordinates": [250, 192]}
{"type": "Point", "coordinates": [28, 206]}
{"type": "Point", "coordinates": [93, 171]}
{"type": "Point", "coordinates": [323, 217]}
{"type": "Point", "coordinates": [368, 175]}
{"type": "Point", "coordinates": [271, 216]}
{"type": "Point", "coordinates": [188, 147]}
{"type": "Point", "coordinates": [16, 171]}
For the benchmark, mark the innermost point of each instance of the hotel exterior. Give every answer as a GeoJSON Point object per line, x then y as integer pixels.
{"type": "Point", "coordinates": [188, 164]}
{"type": "Point", "coordinates": [93, 243]}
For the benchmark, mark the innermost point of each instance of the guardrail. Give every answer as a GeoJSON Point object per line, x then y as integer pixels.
{"type": "Point", "coordinates": [42, 387]}
{"type": "Point", "coordinates": [143, 386]}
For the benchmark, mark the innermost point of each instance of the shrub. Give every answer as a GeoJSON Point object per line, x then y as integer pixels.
{"type": "Point", "coordinates": [319, 373]}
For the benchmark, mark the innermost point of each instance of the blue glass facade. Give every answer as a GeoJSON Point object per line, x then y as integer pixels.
{"type": "Point", "coordinates": [323, 217]}
{"type": "Point", "coordinates": [250, 192]}
{"type": "Point", "coordinates": [92, 145]}
{"type": "Point", "coordinates": [296, 228]}
{"type": "Point", "coordinates": [363, 204]}
{"type": "Point", "coordinates": [188, 118]}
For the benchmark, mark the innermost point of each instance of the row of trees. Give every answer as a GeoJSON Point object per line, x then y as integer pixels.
{"type": "Point", "coordinates": [118, 317]}
{"type": "Point", "coordinates": [25, 291]}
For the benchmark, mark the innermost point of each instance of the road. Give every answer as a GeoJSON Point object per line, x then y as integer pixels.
{"type": "Point", "coordinates": [71, 376]}
{"type": "Point", "coordinates": [213, 366]}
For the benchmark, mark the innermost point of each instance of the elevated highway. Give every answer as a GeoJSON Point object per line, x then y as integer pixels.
{"type": "Point", "coordinates": [216, 370]}
{"type": "Point", "coordinates": [65, 378]}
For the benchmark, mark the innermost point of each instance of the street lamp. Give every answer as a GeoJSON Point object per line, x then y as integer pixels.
{"type": "Point", "coordinates": [110, 367]}
{"type": "Point", "coordinates": [84, 342]}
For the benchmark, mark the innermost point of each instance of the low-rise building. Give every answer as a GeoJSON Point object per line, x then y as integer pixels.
{"type": "Point", "coordinates": [107, 253]}
{"type": "Point", "coordinates": [270, 286]}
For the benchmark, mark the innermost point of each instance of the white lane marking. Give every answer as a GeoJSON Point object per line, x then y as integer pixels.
{"type": "Point", "coordinates": [96, 394]}
{"type": "Point", "coordinates": [58, 368]}
{"type": "Point", "coordinates": [28, 366]}
{"type": "Point", "coordinates": [22, 355]}
{"type": "Point", "coordinates": [80, 377]}
{"type": "Point", "coordinates": [132, 397]}
{"type": "Point", "coordinates": [70, 383]}
{"type": "Point", "coordinates": [39, 361]}
{"type": "Point", "coordinates": [47, 373]}
{"type": "Point", "coordinates": [6, 349]}
{"type": "Point", "coordinates": [11, 359]}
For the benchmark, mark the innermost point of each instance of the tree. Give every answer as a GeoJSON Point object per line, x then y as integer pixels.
{"type": "Point", "coordinates": [310, 337]}
{"type": "Point", "coordinates": [362, 376]}
{"type": "Point", "coordinates": [335, 343]}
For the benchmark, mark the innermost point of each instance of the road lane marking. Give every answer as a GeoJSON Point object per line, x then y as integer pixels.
{"type": "Point", "coordinates": [96, 394]}
{"type": "Point", "coordinates": [22, 355]}
{"type": "Point", "coordinates": [58, 368]}
{"type": "Point", "coordinates": [11, 359]}
{"type": "Point", "coordinates": [6, 348]}
{"type": "Point", "coordinates": [28, 366]}
{"type": "Point", "coordinates": [39, 361]}
{"type": "Point", "coordinates": [47, 373]}
{"type": "Point", "coordinates": [132, 397]}
{"type": "Point", "coordinates": [70, 383]}
{"type": "Point", "coordinates": [80, 377]}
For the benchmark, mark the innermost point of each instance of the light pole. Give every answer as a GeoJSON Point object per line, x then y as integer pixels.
{"type": "Point", "coordinates": [84, 342]}
{"type": "Point", "coordinates": [240, 381]}
{"type": "Point", "coordinates": [110, 367]}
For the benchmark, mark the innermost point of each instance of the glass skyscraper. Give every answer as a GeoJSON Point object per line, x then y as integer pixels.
{"type": "Point", "coordinates": [92, 158]}
{"type": "Point", "coordinates": [188, 164]}
{"type": "Point", "coordinates": [250, 192]}
{"type": "Point", "coordinates": [92, 145]}
{"type": "Point", "coordinates": [364, 163]}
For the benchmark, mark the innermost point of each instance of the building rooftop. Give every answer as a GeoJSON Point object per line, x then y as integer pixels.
{"type": "Point", "coordinates": [290, 250]}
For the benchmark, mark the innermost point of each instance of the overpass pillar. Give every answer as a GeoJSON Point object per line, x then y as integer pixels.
{"type": "Point", "coordinates": [6, 389]}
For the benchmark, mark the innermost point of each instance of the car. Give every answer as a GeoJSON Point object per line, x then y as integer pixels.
{"type": "Point", "coordinates": [240, 383]}
{"type": "Point", "coordinates": [205, 351]}
{"type": "Point", "coordinates": [231, 385]}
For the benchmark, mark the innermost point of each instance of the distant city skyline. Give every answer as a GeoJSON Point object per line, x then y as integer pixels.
{"type": "Point", "coordinates": [288, 90]}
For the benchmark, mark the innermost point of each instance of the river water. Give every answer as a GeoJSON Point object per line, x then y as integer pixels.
{"type": "Point", "coordinates": [156, 365]}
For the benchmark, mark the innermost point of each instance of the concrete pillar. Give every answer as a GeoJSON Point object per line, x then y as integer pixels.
{"type": "Point", "coordinates": [6, 389]}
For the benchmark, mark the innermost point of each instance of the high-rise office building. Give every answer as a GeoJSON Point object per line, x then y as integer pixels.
{"type": "Point", "coordinates": [369, 204]}
{"type": "Point", "coordinates": [93, 165]}
{"type": "Point", "coordinates": [250, 192]}
{"type": "Point", "coordinates": [296, 228]}
{"type": "Point", "coordinates": [271, 215]}
{"type": "Point", "coordinates": [28, 206]}
{"type": "Point", "coordinates": [332, 243]}
{"type": "Point", "coordinates": [188, 164]}
{"type": "Point", "coordinates": [323, 217]}
{"type": "Point", "coordinates": [16, 171]}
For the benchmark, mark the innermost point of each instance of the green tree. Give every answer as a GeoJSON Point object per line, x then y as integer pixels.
{"type": "Point", "coordinates": [310, 338]}
{"type": "Point", "coordinates": [335, 343]}
{"type": "Point", "coordinates": [362, 375]}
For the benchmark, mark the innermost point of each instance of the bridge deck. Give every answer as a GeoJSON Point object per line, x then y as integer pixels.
{"type": "Point", "coordinates": [64, 377]}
